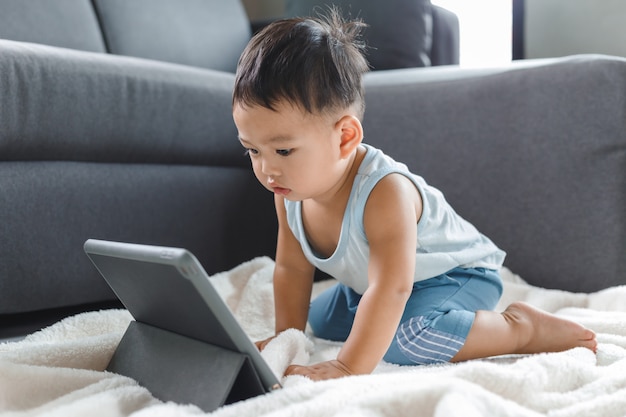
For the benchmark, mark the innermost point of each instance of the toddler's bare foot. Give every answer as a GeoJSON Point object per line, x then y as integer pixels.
{"type": "Point", "coordinates": [545, 332]}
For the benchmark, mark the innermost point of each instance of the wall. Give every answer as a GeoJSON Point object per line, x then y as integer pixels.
{"type": "Point", "coordinates": [566, 27]}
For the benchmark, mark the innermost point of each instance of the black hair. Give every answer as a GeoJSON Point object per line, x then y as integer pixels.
{"type": "Point", "coordinates": [315, 63]}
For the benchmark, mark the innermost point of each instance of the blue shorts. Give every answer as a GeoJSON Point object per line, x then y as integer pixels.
{"type": "Point", "coordinates": [437, 318]}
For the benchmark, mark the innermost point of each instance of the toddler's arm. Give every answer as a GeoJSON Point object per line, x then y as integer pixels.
{"type": "Point", "coordinates": [390, 219]}
{"type": "Point", "coordinates": [293, 278]}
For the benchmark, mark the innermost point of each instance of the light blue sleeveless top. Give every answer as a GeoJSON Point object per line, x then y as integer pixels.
{"type": "Point", "coordinates": [444, 240]}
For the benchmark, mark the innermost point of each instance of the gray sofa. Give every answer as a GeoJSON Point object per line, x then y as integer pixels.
{"type": "Point", "coordinates": [96, 145]}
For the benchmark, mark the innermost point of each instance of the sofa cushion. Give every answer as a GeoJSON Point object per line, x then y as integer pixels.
{"type": "Point", "coordinates": [446, 44]}
{"type": "Point", "coordinates": [399, 33]}
{"type": "Point", "coordinates": [64, 23]}
{"type": "Point", "coordinates": [61, 104]}
{"type": "Point", "coordinates": [204, 33]}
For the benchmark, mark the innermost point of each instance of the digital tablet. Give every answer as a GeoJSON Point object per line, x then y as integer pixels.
{"type": "Point", "coordinates": [168, 288]}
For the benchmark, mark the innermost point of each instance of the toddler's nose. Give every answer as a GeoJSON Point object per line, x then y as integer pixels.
{"type": "Point", "coordinates": [268, 168]}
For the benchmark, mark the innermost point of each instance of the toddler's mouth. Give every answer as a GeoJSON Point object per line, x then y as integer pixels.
{"type": "Point", "coordinates": [281, 191]}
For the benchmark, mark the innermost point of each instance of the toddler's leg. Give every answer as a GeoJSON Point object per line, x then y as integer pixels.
{"type": "Point", "coordinates": [332, 313]}
{"type": "Point", "coordinates": [440, 313]}
{"type": "Point", "coordinates": [520, 329]}
{"type": "Point", "coordinates": [436, 327]}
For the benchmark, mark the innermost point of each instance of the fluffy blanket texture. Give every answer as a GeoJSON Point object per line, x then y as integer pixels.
{"type": "Point", "coordinates": [58, 371]}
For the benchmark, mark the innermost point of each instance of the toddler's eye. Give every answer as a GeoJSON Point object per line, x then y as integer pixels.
{"type": "Point", "coordinates": [283, 152]}
{"type": "Point", "coordinates": [250, 151]}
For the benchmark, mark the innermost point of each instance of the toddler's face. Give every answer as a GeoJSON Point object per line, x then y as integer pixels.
{"type": "Point", "coordinates": [294, 154]}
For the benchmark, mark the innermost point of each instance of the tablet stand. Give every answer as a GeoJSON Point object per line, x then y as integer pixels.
{"type": "Point", "coordinates": [184, 370]}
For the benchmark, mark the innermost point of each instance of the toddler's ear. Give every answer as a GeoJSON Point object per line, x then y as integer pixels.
{"type": "Point", "coordinates": [351, 134]}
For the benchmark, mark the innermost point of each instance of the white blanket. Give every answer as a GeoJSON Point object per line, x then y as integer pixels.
{"type": "Point", "coordinates": [59, 370]}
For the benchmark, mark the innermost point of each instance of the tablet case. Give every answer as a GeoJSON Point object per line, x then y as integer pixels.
{"type": "Point", "coordinates": [184, 370]}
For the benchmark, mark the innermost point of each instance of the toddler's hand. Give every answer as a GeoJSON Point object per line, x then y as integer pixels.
{"type": "Point", "coordinates": [320, 371]}
{"type": "Point", "coordinates": [262, 343]}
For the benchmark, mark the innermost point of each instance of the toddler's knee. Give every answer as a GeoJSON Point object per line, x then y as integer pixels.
{"type": "Point", "coordinates": [328, 330]}
{"type": "Point", "coordinates": [318, 327]}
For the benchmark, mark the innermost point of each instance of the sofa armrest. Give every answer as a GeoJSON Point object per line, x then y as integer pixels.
{"type": "Point", "coordinates": [533, 154]}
